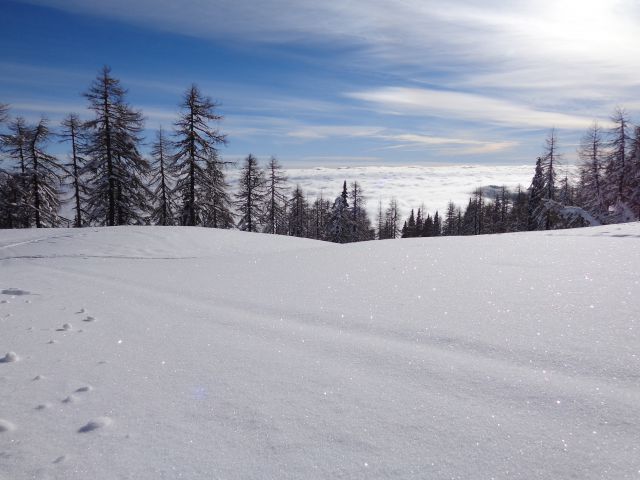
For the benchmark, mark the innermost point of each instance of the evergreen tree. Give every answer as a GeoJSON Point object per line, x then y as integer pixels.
{"type": "Point", "coordinates": [72, 131]}
{"type": "Point", "coordinates": [436, 230]}
{"type": "Point", "coordinates": [450, 220]}
{"type": "Point", "coordinates": [616, 169]}
{"type": "Point", "coordinates": [116, 188]}
{"type": "Point", "coordinates": [565, 193]}
{"type": "Point", "coordinates": [473, 218]}
{"type": "Point", "coordinates": [419, 220]}
{"type": "Point", "coordinates": [550, 162]}
{"type": "Point", "coordinates": [132, 170]}
{"type": "Point", "coordinates": [9, 194]}
{"type": "Point", "coordinates": [427, 230]}
{"type": "Point", "coordinates": [251, 195]}
{"type": "Point", "coordinates": [634, 174]}
{"type": "Point", "coordinates": [298, 214]}
{"type": "Point", "coordinates": [478, 211]}
{"type": "Point", "coordinates": [340, 228]}
{"type": "Point", "coordinates": [18, 194]}
{"type": "Point", "coordinates": [320, 216]}
{"type": "Point", "coordinates": [392, 219]}
{"type": "Point", "coordinates": [9, 182]}
{"type": "Point", "coordinates": [161, 182]}
{"type": "Point", "coordinates": [275, 198]}
{"type": "Point", "coordinates": [519, 214]}
{"type": "Point", "coordinates": [215, 206]}
{"type": "Point", "coordinates": [591, 156]}
{"type": "Point", "coordinates": [536, 196]}
{"type": "Point", "coordinates": [360, 222]}
{"type": "Point", "coordinates": [44, 177]}
{"type": "Point", "coordinates": [195, 162]}
{"type": "Point", "coordinates": [409, 228]}
{"type": "Point", "coordinates": [380, 218]}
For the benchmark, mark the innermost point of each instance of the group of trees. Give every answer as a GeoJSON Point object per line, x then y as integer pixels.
{"type": "Point", "coordinates": [605, 190]}
{"type": "Point", "coordinates": [266, 204]}
{"type": "Point", "coordinates": [108, 181]}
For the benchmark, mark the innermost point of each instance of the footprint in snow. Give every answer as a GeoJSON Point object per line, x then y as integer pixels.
{"type": "Point", "coordinates": [43, 406]}
{"type": "Point", "coordinates": [15, 292]}
{"type": "Point", "coordinates": [10, 357]}
{"type": "Point", "coordinates": [65, 328]}
{"type": "Point", "coordinates": [89, 319]}
{"type": "Point", "coordinates": [96, 424]}
{"type": "Point", "coordinates": [82, 310]}
{"type": "Point", "coordinates": [60, 459]}
{"type": "Point", "coordinates": [6, 426]}
{"type": "Point", "coordinates": [71, 399]}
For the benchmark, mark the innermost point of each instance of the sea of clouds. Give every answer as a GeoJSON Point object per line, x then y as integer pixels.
{"type": "Point", "coordinates": [414, 185]}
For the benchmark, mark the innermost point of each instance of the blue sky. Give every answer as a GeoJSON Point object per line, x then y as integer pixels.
{"type": "Point", "coordinates": [335, 82]}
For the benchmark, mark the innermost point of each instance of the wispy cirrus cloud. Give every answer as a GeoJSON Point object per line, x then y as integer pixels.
{"type": "Point", "coordinates": [465, 106]}
{"type": "Point", "coordinates": [589, 42]}
{"type": "Point", "coordinates": [402, 140]}
{"type": "Point", "coordinates": [463, 77]}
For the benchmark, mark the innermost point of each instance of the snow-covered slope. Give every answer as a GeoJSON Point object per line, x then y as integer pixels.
{"type": "Point", "coordinates": [151, 353]}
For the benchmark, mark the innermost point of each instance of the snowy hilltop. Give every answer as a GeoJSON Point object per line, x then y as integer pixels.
{"type": "Point", "coordinates": [178, 352]}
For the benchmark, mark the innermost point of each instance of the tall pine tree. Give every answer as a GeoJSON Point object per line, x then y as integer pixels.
{"type": "Point", "coordinates": [161, 182]}
{"type": "Point", "coordinates": [251, 194]}
{"type": "Point", "coordinates": [72, 129]}
{"type": "Point", "coordinates": [43, 173]}
{"type": "Point", "coordinates": [275, 197]}
{"type": "Point", "coordinates": [116, 187]}
{"type": "Point", "coordinates": [195, 162]}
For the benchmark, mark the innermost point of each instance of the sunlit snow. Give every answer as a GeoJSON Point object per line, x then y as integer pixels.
{"type": "Point", "coordinates": [222, 354]}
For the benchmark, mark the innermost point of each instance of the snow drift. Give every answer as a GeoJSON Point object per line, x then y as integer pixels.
{"type": "Point", "coordinates": [221, 354]}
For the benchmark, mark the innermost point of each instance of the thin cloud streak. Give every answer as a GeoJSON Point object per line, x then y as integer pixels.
{"type": "Point", "coordinates": [464, 106]}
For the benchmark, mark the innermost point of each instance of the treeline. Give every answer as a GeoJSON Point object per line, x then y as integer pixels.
{"type": "Point", "coordinates": [108, 181]}
{"type": "Point", "coordinates": [605, 190]}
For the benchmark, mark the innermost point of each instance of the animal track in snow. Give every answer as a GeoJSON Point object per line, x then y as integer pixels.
{"type": "Point", "coordinates": [96, 424]}
{"type": "Point", "coordinates": [65, 328]}
{"type": "Point", "coordinates": [43, 406]}
{"type": "Point", "coordinates": [84, 389]}
{"type": "Point", "coordinates": [15, 292]}
{"type": "Point", "coordinates": [89, 319]}
{"type": "Point", "coordinates": [60, 459]}
{"type": "Point", "coordinates": [10, 357]}
{"type": "Point", "coordinates": [6, 426]}
{"type": "Point", "coordinates": [71, 399]}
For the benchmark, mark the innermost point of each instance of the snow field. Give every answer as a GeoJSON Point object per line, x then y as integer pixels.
{"type": "Point", "coordinates": [231, 355]}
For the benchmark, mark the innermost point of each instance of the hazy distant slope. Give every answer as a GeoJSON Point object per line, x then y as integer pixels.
{"type": "Point", "coordinates": [196, 353]}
